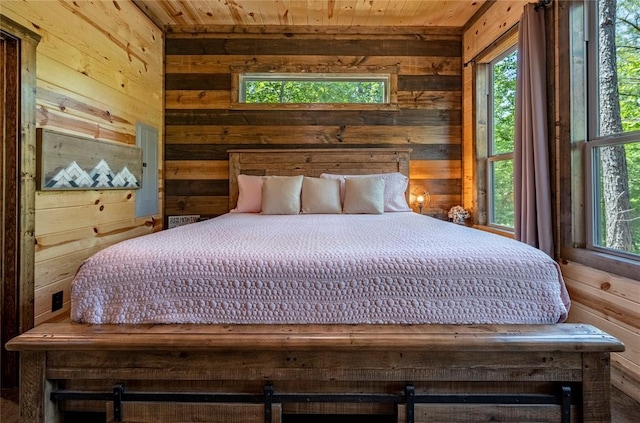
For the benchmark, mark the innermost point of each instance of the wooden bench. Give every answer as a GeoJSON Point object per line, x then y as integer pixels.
{"type": "Point", "coordinates": [222, 373]}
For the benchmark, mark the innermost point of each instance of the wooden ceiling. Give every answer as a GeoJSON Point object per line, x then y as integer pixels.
{"type": "Point", "coordinates": [315, 13]}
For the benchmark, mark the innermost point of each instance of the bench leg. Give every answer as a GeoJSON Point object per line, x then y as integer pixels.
{"type": "Point", "coordinates": [35, 405]}
{"type": "Point", "coordinates": [596, 388]}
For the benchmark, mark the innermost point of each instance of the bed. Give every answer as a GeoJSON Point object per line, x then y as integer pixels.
{"type": "Point", "coordinates": [320, 269]}
{"type": "Point", "coordinates": [381, 314]}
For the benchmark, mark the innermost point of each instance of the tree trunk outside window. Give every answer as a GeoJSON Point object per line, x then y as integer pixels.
{"type": "Point", "coordinates": [615, 180]}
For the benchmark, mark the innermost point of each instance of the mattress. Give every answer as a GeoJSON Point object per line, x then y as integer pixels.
{"type": "Point", "coordinates": [393, 268]}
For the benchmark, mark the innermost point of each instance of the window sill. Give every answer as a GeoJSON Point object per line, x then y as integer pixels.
{"type": "Point", "coordinates": [606, 262]}
{"type": "Point", "coordinates": [494, 230]}
{"type": "Point", "coordinates": [315, 106]}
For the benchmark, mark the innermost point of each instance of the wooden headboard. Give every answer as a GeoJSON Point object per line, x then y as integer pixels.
{"type": "Point", "coordinates": [313, 162]}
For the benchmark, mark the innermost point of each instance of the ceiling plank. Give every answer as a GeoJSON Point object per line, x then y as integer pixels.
{"type": "Point", "coordinates": [310, 13]}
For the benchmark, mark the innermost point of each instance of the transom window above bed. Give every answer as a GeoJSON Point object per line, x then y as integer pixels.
{"type": "Point", "coordinates": [318, 88]}
{"type": "Point", "coordinates": [311, 89]}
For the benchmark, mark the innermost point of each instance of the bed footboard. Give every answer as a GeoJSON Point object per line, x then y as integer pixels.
{"type": "Point", "coordinates": [267, 373]}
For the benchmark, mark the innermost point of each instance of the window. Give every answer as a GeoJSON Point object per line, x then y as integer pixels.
{"type": "Point", "coordinates": [502, 100]}
{"type": "Point", "coordinates": [302, 88]}
{"type": "Point", "coordinates": [613, 127]}
{"type": "Point", "coordinates": [500, 129]}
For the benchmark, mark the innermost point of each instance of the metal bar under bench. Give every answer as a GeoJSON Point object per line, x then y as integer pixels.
{"type": "Point", "coordinates": [120, 395]}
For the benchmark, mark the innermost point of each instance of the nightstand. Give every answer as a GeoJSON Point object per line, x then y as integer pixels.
{"type": "Point", "coordinates": [175, 221]}
{"type": "Point", "coordinates": [434, 212]}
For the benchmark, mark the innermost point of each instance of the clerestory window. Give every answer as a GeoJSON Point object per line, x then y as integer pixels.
{"type": "Point", "coordinates": [300, 88]}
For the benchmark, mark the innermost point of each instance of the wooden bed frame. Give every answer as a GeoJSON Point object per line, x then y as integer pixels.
{"type": "Point", "coordinates": [284, 373]}
{"type": "Point", "coordinates": [313, 162]}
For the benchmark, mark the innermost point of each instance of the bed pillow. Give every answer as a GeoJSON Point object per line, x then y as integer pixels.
{"type": "Point", "coordinates": [364, 195]}
{"type": "Point", "coordinates": [395, 188]}
{"type": "Point", "coordinates": [320, 196]}
{"type": "Point", "coordinates": [249, 194]}
{"type": "Point", "coordinates": [281, 194]}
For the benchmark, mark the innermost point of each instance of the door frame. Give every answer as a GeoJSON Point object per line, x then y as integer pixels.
{"type": "Point", "coordinates": [21, 287]}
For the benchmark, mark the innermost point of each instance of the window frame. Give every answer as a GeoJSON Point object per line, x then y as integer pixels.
{"type": "Point", "coordinates": [313, 77]}
{"type": "Point", "coordinates": [593, 138]}
{"type": "Point", "coordinates": [388, 72]}
{"type": "Point", "coordinates": [592, 189]}
{"type": "Point", "coordinates": [483, 81]}
{"type": "Point", "coordinates": [575, 84]}
{"type": "Point", "coordinates": [497, 157]}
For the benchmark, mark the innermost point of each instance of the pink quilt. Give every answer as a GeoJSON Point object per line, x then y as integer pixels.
{"type": "Point", "coordinates": [251, 268]}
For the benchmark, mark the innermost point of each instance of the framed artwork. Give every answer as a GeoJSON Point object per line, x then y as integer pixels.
{"type": "Point", "coordinates": [71, 162]}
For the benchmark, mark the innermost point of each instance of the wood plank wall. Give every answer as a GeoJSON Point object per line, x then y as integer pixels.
{"type": "Point", "coordinates": [99, 71]}
{"type": "Point", "coordinates": [611, 303]}
{"type": "Point", "coordinates": [201, 124]}
{"type": "Point", "coordinates": [478, 37]}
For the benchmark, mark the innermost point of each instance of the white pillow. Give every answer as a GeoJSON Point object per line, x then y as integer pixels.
{"type": "Point", "coordinates": [320, 196]}
{"type": "Point", "coordinates": [281, 194]}
{"type": "Point", "coordinates": [395, 188]}
{"type": "Point", "coordinates": [364, 195]}
{"type": "Point", "coordinates": [249, 194]}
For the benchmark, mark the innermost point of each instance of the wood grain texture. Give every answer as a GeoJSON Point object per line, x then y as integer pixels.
{"type": "Point", "coordinates": [312, 134]}
{"type": "Point", "coordinates": [405, 65]}
{"type": "Point", "coordinates": [203, 120]}
{"type": "Point", "coordinates": [202, 413]}
{"type": "Point", "coordinates": [17, 181]}
{"type": "Point", "coordinates": [610, 302]}
{"type": "Point", "coordinates": [314, 162]}
{"type": "Point", "coordinates": [496, 20]}
{"type": "Point", "coordinates": [33, 388]}
{"type": "Point", "coordinates": [492, 412]}
{"type": "Point", "coordinates": [10, 193]}
{"type": "Point", "coordinates": [453, 359]}
{"type": "Point", "coordinates": [325, 16]}
{"type": "Point", "coordinates": [252, 338]}
{"type": "Point", "coordinates": [99, 70]}
{"type": "Point", "coordinates": [595, 388]}
{"type": "Point", "coordinates": [295, 46]}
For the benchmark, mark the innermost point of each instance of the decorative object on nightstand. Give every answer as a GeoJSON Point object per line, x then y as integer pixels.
{"type": "Point", "coordinates": [421, 198]}
{"type": "Point", "coordinates": [458, 214]}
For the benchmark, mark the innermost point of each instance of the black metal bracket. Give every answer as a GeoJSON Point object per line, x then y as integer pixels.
{"type": "Point", "coordinates": [410, 396]}
{"type": "Point", "coordinates": [119, 395]}
{"type": "Point", "coordinates": [566, 404]}
{"type": "Point", "coordinates": [268, 403]}
{"type": "Point", "coordinates": [118, 391]}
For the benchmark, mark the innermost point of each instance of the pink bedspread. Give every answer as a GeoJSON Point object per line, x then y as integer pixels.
{"type": "Point", "coordinates": [251, 268]}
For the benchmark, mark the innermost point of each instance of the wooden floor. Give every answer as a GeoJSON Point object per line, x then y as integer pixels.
{"type": "Point", "coordinates": [9, 406]}
{"type": "Point", "coordinates": [623, 408]}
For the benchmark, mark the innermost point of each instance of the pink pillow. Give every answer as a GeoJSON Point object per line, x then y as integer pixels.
{"type": "Point", "coordinates": [395, 188]}
{"type": "Point", "coordinates": [249, 194]}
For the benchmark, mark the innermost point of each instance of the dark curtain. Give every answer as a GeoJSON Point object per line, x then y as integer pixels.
{"type": "Point", "coordinates": [533, 222]}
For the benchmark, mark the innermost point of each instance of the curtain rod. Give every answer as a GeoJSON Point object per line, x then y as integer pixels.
{"type": "Point", "coordinates": [543, 4]}
{"type": "Point", "coordinates": [495, 42]}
